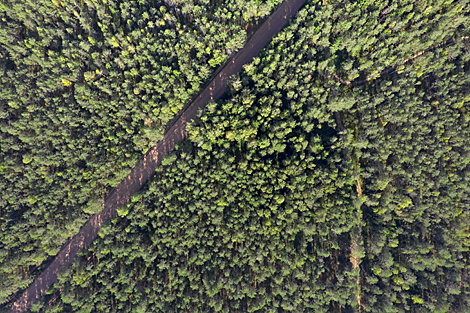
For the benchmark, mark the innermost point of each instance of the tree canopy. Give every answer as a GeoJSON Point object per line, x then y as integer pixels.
{"type": "Point", "coordinates": [85, 88]}
{"type": "Point", "coordinates": [295, 192]}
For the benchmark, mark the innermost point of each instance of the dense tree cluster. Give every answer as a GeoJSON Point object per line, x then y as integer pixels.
{"type": "Point", "coordinates": [298, 193]}
{"type": "Point", "coordinates": [411, 135]}
{"type": "Point", "coordinates": [86, 87]}
{"type": "Point", "coordinates": [257, 212]}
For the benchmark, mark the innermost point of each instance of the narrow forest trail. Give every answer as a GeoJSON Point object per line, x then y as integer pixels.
{"type": "Point", "coordinates": [175, 133]}
{"type": "Point", "coordinates": [393, 68]}
{"type": "Point", "coordinates": [354, 245]}
{"type": "Point", "coordinates": [354, 259]}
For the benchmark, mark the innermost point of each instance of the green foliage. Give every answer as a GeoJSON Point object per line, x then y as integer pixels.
{"type": "Point", "coordinates": [85, 88]}
{"type": "Point", "coordinates": [294, 192]}
{"type": "Point", "coordinates": [235, 227]}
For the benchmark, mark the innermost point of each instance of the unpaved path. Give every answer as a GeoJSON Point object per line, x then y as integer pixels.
{"type": "Point", "coordinates": [146, 167]}
{"type": "Point", "coordinates": [392, 69]}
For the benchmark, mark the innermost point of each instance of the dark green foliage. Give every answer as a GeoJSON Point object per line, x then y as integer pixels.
{"type": "Point", "coordinates": [298, 193]}
{"type": "Point", "coordinates": [254, 214]}
{"type": "Point", "coordinates": [414, 162]}
{"type": "Point", "coordinates": [85, 88]}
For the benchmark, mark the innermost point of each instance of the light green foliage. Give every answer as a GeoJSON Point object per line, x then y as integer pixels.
{"type": "Point", "coordinates": [294, 192]}
{"type": "Point", "coordinates": [85, 88]}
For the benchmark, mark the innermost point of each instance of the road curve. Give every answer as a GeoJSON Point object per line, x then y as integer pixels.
{"type": "Point", "coordinates": [175, 132]}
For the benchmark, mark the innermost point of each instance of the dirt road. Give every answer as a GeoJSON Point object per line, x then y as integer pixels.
{"type": "Point", "coordinates": [146, 167]}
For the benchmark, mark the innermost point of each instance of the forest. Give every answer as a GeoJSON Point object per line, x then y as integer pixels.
{"type": "Point", "coordinates": [295, 192]}
{"type": "Point", "coordinates": [86, 88]}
